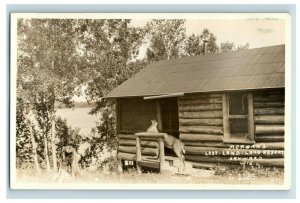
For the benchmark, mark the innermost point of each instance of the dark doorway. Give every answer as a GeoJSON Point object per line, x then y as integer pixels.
{"type": "Point", "coordinates": [170, 121]}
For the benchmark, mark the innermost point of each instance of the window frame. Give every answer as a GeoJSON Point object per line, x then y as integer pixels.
{"type": "Point", "coordinates": [226, 116]}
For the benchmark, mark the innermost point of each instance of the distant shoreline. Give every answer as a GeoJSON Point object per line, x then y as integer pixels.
{"type": "Point", "coordinates": [60, 105]}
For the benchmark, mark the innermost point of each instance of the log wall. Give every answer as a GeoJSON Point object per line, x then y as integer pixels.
{"type": "Point", "coordinates": [135, 115]}
{"type": "Point", "coordinates": [201, 129]}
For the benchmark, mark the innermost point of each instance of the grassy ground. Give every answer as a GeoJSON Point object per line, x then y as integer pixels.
{"type": "Point", "coordinates": [169, 176]}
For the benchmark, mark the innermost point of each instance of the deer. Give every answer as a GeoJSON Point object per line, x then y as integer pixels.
{"type": "Point", "coordinates": [171, 142]}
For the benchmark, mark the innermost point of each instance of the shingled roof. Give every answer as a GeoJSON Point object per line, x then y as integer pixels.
{"type": "Point", "coordinates": [258, 68]}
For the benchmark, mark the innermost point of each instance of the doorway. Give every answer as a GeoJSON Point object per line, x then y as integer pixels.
{"type": "Point", "coordinates": [170, 120]}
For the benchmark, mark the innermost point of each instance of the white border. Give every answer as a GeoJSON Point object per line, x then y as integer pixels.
{"type": "Point", "coordinates": [83, 186]}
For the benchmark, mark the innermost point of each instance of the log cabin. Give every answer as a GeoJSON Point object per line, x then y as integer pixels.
{"type": "Point", "coordinates": [223, 106]}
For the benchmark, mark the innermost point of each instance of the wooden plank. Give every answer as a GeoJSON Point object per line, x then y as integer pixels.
{"type": "Point", "coordinates": [268, 104]}
{"type": "Point", "coordinates": [145, 143]}
{"type": "Point", "coordinates": [144, 150]}
{"type": "Point", "coordinates": [269, 138]}
{"type": "Point", "coordinates": [276, 162]}
{"type": "Point", "coordinates": [202, 114]}
{"type": "Point", "coordinates": [269, 129]}
{"type": "Point", "coordinates": [188, 102]}
{"type": "Point", "coordinates": [201, 96]}
{"type": "Point", "coordinates": [201, 107]}
{"type": "Point", "coordinates": [202, 129]}
{"type": "Point", "coordinates": [269, 119]}
{"type": "Point", "coordinates": [208, 151]}
{"type": "Point", "coordinates": [200, 137]}
{"type": "Point", "coordinates": [203, 121]}
{"type": "Point", "coordinates": [269, 111]}
{"type": "Point", "coordinates": [126, 156]}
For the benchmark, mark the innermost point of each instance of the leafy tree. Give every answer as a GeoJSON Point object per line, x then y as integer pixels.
{"type": "Point", "coordinates": [194, 44]}
{"type": "Point", "coordinates": [166, 39]}
{"type": "Point", "coordinates": [49, 69]}
{"type": "Point", "coordinates": [110, 48]}
{"type": "Point", "coordinates": [230, 46]}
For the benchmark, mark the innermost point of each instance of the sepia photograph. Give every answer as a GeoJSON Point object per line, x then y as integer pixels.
{"type": "Point", "coordinates": [150, 101]}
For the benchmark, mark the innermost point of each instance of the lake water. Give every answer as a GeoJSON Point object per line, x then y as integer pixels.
{"type": "Point", "coordinates": [79, 117]}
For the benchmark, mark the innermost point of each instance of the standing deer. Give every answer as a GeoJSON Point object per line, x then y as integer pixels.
{"type": "Point", "coordinates": [171, 142]}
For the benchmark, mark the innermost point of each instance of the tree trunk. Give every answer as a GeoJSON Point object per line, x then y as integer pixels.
{"type": "Point", "coordinates": [48, 167]}
{"type": "Point", "coordinates": [53, 146]}
{"type": "Point", "coordinates": [34, 151]}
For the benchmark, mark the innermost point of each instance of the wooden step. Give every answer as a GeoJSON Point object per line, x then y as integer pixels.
{"type": "Point", "coordinates": [149, 164]}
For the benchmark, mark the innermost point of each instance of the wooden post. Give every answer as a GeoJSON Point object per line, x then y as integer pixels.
{"type": "Point", "coordinates": [138, 154]}
{"type": "Point", "coordinates": [158, 116]}
{"type": "Point", "coordinates": [161, 153]}
{"type": "Point", "coordinates": [250, 117]}
{"type": "Point", "coordinates": [225, 117]}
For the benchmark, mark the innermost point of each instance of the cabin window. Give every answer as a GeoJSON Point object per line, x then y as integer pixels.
{"type": "Point", "coordinates": [238, 120]}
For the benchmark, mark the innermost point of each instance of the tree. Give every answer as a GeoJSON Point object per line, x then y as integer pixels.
{"type": "Point", "coordinates": [110, 48]}
{"type": "Point", "coordinates": [194, 44]}
{"type": "Point", "coordinates": [230, 46]}
{"type": "Point", "coordinates": [48, 69]}
{"type": "Point", "coordinates": [166, 39]}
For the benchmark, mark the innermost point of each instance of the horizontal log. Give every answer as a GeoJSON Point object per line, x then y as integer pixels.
{"type": "Point", "coordinates": [273, 145]}
{"type": "Point", "coordinates": [268, 111]}
{"type": "Point", "coordinates": [199, 121]}
{"type": "Point", "coordinates": [126, 156]}
{"type": "Point", "coordinates": [149, 164]}
{"type": "Point", "coordinates": [126, 132]}
{"type": "Point", "coordinates": [217, 100]}
{"type": "Point", "coordinates": [201, 107]}
{"type": "Point", "coordinates": [202, 114]}
{"type": "Point", "coordinates": [211, 151]}
{"type": "Point", "coordinates": [269, 138]}
{"type": "Point", "coordinates": [276, 162]}
{"type": "Point", "coordinates": [269, 129]}
{"type": "Point", "coordinates": [202, 129]}
{"type": "Point", "coordinates": [145, 151]}
{"type": "Point", "coordinates": [268, 104]}
{"type": "Point", "coordinates": [150, 135]}
{"type": "Point", "coordinates": [269, 119]}
{"type": "Point", "coordinates": [144, 143]}
{"type": "Point", "coordinates": [201, 96]}
{"type": "Point", "coordinates": [268, 98]}
{"type": "Point", "coordinates": [200, 137]}
{"type": "Point", "coordinates": [127, 136]}
{"type": "Point", "coordinates": [204, 165]}
{"type": "Point", "coordinates": [269, 145]}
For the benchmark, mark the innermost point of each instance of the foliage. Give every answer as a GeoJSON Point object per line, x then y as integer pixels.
{"type": "Point", "coordinates": [230, 46]}
{"type": "Point", "coordinates": [166, 39]}
{"type": "Point", "coordinates": [23, 142]}
{"type": "Point", "coordinates": [194, 44]}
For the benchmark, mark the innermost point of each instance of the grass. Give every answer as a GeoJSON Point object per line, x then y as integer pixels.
{"type": "Point", "coordinates": [192, 176]}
